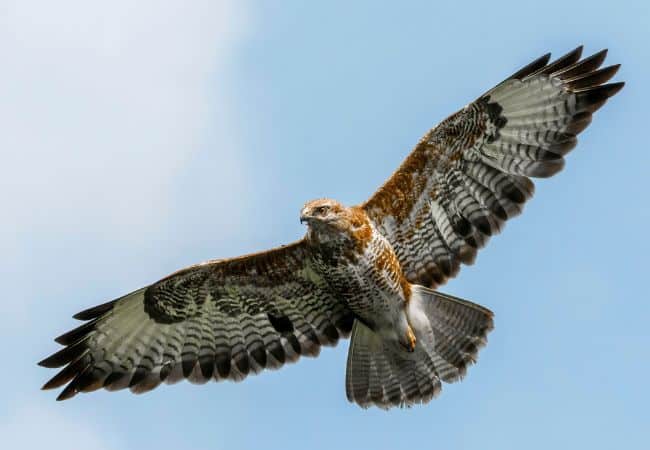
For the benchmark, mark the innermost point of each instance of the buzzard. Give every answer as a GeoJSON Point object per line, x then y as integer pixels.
{"type": "Point", "coordinates": [368, 271]}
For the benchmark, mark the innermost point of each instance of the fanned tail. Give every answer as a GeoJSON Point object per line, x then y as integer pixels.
{"type": "Point", "coordinates": [449, 333]}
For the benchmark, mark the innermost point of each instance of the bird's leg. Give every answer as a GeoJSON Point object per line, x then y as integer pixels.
{"type": "Point", "coordinates": [409, 342]}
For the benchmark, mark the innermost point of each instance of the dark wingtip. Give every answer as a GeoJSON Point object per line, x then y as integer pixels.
{"type": "Point", "coordinates": [64, 356]}
{"type": "Point", "coordinates": [49, 362]}
{"type": "Point", "coordinates": [76, 334]}
{"type": "Point", "coordinates": [85, 380]}
{"type": "Point", "coordinates": [614, 88]}
{"type": "Point", "coordinates": [69, 392]}
{"type": "Point", "coordinates": [532, 67]}
{"type": "Point", "coordinates": [68, 373]}
{"type": "Point", "coordinates": [51, 384]}
{"type": "Point", "coordinates": [573, 55]}
{"type": "Point", "coordinates": [95, 311]}
{"type": "Point", "coordinates": [592, 99]}
{"type": "Point", "coordinates": [562, 62]}
{"type": "Point", "coordinates": [583, 66]}
{"type": "Point", "coordinates": [609, 89]}
{"type": "Point", "coordinates": [598, 58]}
{"type": "Point", "coordinates": [601, 55]}
{"type": "Point", "coordinates": [592, 79]}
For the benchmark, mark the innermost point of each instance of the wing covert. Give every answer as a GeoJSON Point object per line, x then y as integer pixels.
{"type": "Point", "coordinates": [470, 174]}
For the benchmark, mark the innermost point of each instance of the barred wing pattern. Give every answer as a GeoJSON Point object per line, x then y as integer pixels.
{"type": "Point", "coordinates": [218, 320]}
{"type": "Point", "coordinates": [469, 174]}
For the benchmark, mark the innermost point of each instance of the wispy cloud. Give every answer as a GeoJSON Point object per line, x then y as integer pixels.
{"type": "Point", "coordinates": [37, 425]}
{"type": "Point", "coordinates": [101, 108]}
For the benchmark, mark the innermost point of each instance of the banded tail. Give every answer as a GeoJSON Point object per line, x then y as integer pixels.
{"type": "Point", "coordinates": [449, 331]}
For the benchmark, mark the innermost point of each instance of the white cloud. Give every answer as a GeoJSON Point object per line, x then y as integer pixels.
{"type": "Point", "coordinates": [102, 104]}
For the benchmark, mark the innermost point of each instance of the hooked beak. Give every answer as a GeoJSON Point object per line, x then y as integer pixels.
{"type": "Point", "coordinates": [304, 218]}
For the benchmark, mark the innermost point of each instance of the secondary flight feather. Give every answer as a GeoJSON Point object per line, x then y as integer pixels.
{"type": "Point", "coordinates": [368, 270]}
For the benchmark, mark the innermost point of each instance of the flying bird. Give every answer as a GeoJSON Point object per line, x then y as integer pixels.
{"type": "Point", "coordinates": [367, 271]}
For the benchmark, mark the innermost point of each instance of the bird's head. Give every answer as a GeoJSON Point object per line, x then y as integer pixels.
{"type": "Point", "coordinates": [328, 219]}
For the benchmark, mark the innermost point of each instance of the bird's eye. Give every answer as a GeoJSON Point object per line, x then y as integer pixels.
{"type": "Point", "coordinates": [322, 210]}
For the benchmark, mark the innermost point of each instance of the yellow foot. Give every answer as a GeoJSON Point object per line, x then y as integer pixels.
{"type": "Point", "coordinates": [410, 337]}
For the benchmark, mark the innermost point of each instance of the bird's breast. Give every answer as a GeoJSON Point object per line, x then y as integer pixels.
{"type": "Point", "coordinates": [369, 277]}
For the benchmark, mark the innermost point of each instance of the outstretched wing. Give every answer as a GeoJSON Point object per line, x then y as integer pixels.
{"type": "Point", "coordinates": [469, 174]}
{"type": "Point", "coordinates": [218, 320]}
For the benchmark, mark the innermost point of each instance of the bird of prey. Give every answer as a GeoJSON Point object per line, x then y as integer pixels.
{"type": "Point", "coordinates": [368, 271]}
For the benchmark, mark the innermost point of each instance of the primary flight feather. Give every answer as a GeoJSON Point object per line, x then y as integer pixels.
{"type": "Point", "coordinates": [366, 270]}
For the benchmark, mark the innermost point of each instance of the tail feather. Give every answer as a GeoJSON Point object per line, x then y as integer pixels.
{"type": "Point", "coordinates": [357, 382]}
{"type": "Point", "coordinates": [380, 374]}
{"type": "Point", "coordinates": [459, 328]}
{"type": "Point", "coordinates": [449, 332]}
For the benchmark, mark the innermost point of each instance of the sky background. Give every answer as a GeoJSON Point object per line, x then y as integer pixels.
{"type": "Point", "coordinates": [141, 137]}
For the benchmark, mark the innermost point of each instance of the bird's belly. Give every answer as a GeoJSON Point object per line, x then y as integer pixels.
{"type": "Point", "coordinates": [375, 301]}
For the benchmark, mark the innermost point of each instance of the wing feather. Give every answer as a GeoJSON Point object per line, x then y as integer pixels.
{"type": "Point", "coordinates": [218, 320]}
{"type": "Point", "coordinates": [471, 173]}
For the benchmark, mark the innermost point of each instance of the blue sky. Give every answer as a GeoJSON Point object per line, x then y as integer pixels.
{"type": "Point", "coordinates": [142, 137]}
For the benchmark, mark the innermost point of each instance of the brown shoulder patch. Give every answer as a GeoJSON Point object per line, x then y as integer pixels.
{"type": "Point", "coordinates": [361, 229]}
{"type": "Point", "coordinates": [398, 194]}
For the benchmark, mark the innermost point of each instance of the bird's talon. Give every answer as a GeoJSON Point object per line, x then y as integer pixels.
{"type": "Point", "coordinates": [410, 337]}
